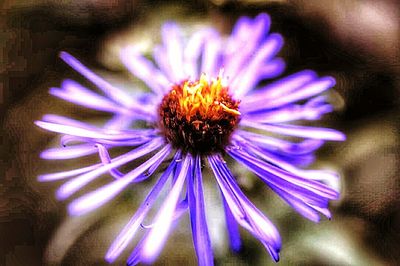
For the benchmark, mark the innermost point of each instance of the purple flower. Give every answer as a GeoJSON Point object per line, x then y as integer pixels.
{"type": "Point", "coordinates": [205, 104]}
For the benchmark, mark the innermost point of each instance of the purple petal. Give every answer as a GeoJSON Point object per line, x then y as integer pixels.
{"type": "Point", "coordinates": [119, 122]}
{"type": "Point", "coordinates": [128, 232]}
{"type": "Point", "coordinates": [260, 26]}
{"type": "Point", "coordinates": [134, 258]}
{"type": "Point", "coordinates": [301, 207]}
{"type": "Point", "coordinates": [74, 92]}
{"type": "Point", "coordinates": [159, 55]}
{"type": "Point", "coordinates": [241, 28]}
{"type": "Point", "coordinates": [91, 133]}
{"type": "Point", "coordinates": [194, 49]}
{"type": "Point", "coordinates": [77, 183]}
{"type": "Point", "coordinates": [273, 252]}
{"type": "Point", "coordinates": [306, 209]}
{"type": "Point", "coordinates": [57, 119]}
{"type": "Point", "coordinates": [68, 152]}
{"type": "Point", "coordinates": [281, 87]}
{"type": "Point", "coordinates": [142, 68]}
{"type": "Point", "coordinates": [247, 78]}
{"type": "Point", "coordinates": [304, 196]}
{"type": "Point", "coordinates": [327, 177]}
{"type": "Point", "coordinates": [65, 174]}
{"type": "Point", "coordinates": [143, 136]}
{"type": "Point", "coordinates": [299, 131]}
{"type": "Point", "coordinates": [211, 57]}
{"type": "Point", "coordinates": [181, 208]}
{"type": "Point", "coordinates": [279, 145]}
{"type": "Point", "coordinates": [283, 179]}
{"type": "Point", "coordinates": [112, 92]}
{"type": "Point", "coordinates": [232, 226]}
{"type": "Point", "coordinates": [311, 89]}
{"type": "Point", "coordinates": [324, 211]}
{"type": "Point", "coordinates": [239, 49]}
{"type": "Point", "coordinates": [288, 113]}
{"type": "Point", "coordinates": [245, 213]}
{"type": "Point", "coordinates": [272, 69]}
{"type": "Point", "coordinates": [104, 194]}
{"type": "Point", "coordinates": [238, 41]}
{"type": "Point", "coordinates": [157, 236]}
{"type": "Point", "coordinates": [201, 237]}
{"type": "Point", "coordinates": [172, 40]}
{"type": "Point", "coordinates": [105, 159]}
{"type": "Point", "coordinates": [298, 154]}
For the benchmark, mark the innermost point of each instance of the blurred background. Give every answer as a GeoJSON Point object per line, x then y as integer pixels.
{"type": "Point", "coordinates": [356, 41]}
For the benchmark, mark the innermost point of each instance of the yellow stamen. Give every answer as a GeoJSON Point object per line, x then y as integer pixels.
{"type": "Point", "coordinates": [203, 97]}
{"type": "Point", "coordinates": [229, 110]}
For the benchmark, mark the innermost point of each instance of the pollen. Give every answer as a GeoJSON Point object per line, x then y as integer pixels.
{"type": "Point", "coordinates": [199, 116]}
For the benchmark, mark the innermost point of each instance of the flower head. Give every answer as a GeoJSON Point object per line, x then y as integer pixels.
{"type": "Point", "coordinates": [197, 113]}
{"type": "Point", "coordinates": [199, 116]}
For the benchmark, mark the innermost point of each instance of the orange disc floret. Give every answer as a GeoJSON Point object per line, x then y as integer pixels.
{"type": "Point", "coordinates": [199, 116]}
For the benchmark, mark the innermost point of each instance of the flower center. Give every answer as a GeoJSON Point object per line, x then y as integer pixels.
{"type": "Point", "coordinates": [199, 116]}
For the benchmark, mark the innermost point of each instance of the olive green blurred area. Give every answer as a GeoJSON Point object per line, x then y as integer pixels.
{"type": "Point", "coordinates": [357, 42]}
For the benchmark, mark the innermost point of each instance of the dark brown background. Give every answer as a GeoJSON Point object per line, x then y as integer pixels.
{"type": "Point", "coordinates": [355, 41]}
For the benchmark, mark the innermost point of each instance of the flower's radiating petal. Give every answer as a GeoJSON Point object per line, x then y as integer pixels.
{"type": "Point", "coordinates": [173, 48]}
{"type": "Point", "coordinates": [279, 145]}
{"type": "Point", "coordinates": [237, 41]}
{"type": "Point", "coordinates": [68, 152]}
{"type": "Point", "coordinates": [119, 122]}
{"type": "Point", "coordinates": [97, 198]}
{"type": "Point", "coordinates": [163, 63]}
{"type": "Point", "coordinates": [62, 120]}
{"type": "Point", "coordinates": [245, 213]}
{"type": "Point", "coordinates": [327, 177]}
{"type": "Point", "coordinates": [211, 60]}
{"type": "Point", "coordinates": [296, 203]}
{"type": "Point", "coordinates": [129, 230]}
{"type": "Point", "coordinates": [135, 256]}
{"type": "Point", "coordinates": [181, 208]}
{"type": "Point", "coordinates": [142, 68]}
{"type": "Point", "coordinates": [111, 91]}
{"type": "Point", "coordinates": [306, 207]}
{"type": "Point", "coordinates": [273, 252]}
{"type": "Point", "coordinates": [157, 236]}
{"type": "Point", "coordinates": [273, 174]}
{"type": "Point", "coordinates": [91, 133]}
{"type": "Point", "coordinates": [249, 76]}
{"type": "Point", "coordinates": [74, 92]}
{"type": "Point", "coordinates": [201, 238]}
{"type": "Point", "coordinates": [308, 191]}
{"type": "Point", "coordinates": [106, 159]}
{"type": "Point", "coordinates": [238, 48]}
{"type": "Point", "coordinates": [143, 137]}
{"type": "Point", "coordinates": [289, 113]}
{"type": "Point", "coordinates": [280, 87]}
{"type": "Point", "coordinates": [66, 174]}
{"type": "Point", "coordinates": [232, 227]}
{"type": "Point", "coordinates": [77, 183]}
{"type": "Point", "coordinates": [306, 91]}
{"type": "Point", "coordinates": [193, 50]}
{"type": "Point", "coordinates": [299, 131]}
{"type": "Point", "coordinates": [269, 70]}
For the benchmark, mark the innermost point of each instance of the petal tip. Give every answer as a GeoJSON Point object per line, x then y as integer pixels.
{"type": "Point", "coordinates": [65, 56]}
{"type": "Point", "coordinates": [41, 178]}
{"type": "Point", "coordinates": [40, 124]}
{"type": "Point", "coordinates": [331, 81]}
{"type": "Point", "coordinates": [62, 194]}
